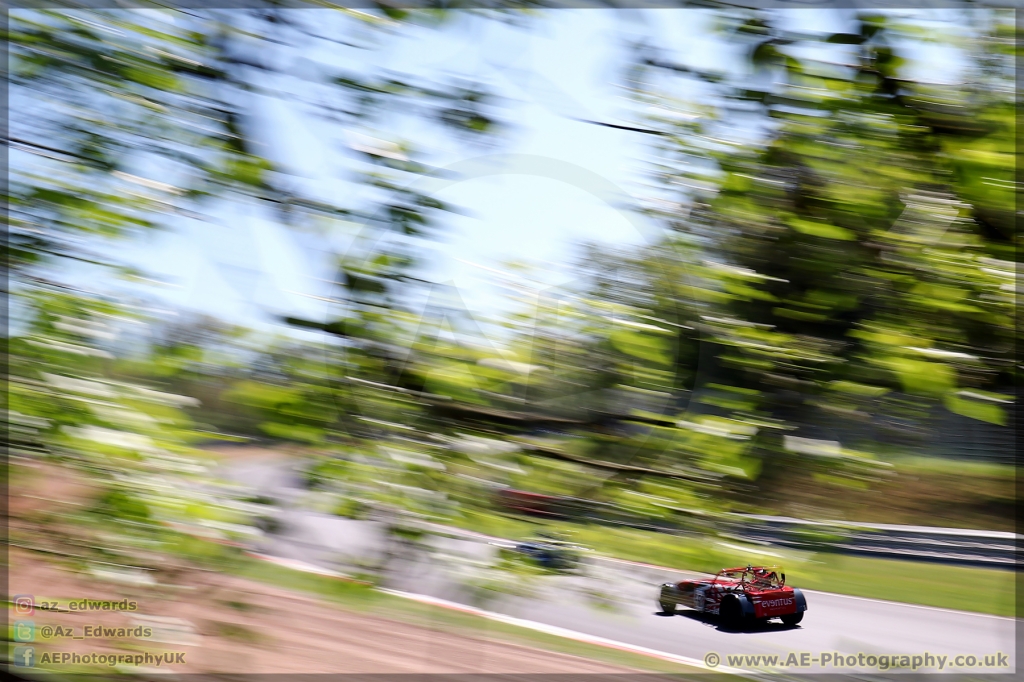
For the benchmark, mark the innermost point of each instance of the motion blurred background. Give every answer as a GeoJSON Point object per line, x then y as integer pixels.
{"type": "Point", "coordinates": [694, 286]}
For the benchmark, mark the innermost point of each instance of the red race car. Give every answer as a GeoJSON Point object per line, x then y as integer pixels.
{"type": "Point", "coordinates": [738, 596]}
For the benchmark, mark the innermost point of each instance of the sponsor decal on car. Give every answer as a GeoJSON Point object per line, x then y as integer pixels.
{"type": "Point", "coordinates": [775, 603]}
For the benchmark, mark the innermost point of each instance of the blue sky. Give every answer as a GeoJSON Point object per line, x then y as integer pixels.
{"type": "Point", "coordinates": [240, 263]}
{"type": "Point", "coordinates": [240, 266]}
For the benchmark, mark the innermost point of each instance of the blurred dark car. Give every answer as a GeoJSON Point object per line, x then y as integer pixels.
{"type": "Point", "coordinates": [552, 553]}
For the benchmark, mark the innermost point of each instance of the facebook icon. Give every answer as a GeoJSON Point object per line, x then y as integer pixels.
{"type": "Point", "coordinates": [24, 656]}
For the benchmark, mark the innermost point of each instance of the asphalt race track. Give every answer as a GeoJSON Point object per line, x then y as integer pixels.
{"type": "Point", "coordinates": [617, 600]}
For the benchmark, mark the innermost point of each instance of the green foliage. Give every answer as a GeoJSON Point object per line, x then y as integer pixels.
{"type": "Point", "coordinates": [122, 505]}
{"type": "Point", "coordinates": [976, 409]}
{"type": "Point", "coordinates": [853, 265]}
{"type": "Point", "coordinates": [858, 252]}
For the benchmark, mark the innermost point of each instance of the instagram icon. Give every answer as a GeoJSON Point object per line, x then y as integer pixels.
{"type": "Point", "coordinates": [24, 605]}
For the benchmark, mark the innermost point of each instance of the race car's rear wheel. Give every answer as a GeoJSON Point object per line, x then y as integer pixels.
{"type": "Point", "coordinates": [730, 613]}
{"type": "Point", "coordinates": [793, 618]}
{"type": "Point", "coordinates": [667, 608]}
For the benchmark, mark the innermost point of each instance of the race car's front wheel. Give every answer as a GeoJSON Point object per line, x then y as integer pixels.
{"type": "Point", "coordinates": [667, 608]}
{"type": "Point", "coordinates": [793, 618]}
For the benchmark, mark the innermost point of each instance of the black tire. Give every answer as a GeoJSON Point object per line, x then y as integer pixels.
{"type": "Point", "coordinates": [667, 608]}
{"type": "Point", "coordinates": [793, 618]}
{"type": "Point", "coordinates": [730, 613]}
